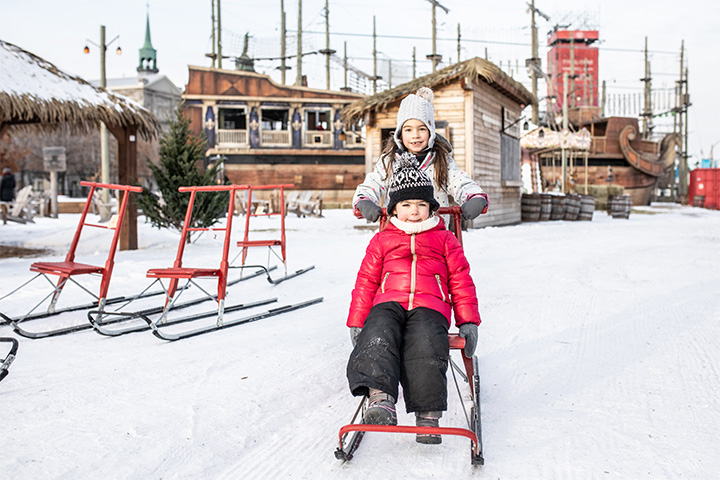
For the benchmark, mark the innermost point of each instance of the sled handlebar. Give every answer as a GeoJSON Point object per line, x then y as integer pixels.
{"type": "Point", "coordinates": [112, 186]}
{"type": "Point", "coordinates": [456, 212]}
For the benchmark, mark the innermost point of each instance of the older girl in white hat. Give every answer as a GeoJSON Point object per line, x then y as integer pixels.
{"type": "Point", "coordinates": [415, 137]}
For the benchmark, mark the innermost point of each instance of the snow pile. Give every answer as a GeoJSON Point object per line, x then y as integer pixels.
{"type": "Point", "coordinates": [598, 359]}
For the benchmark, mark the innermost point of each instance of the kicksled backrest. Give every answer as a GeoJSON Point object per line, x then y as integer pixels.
{"type": "Point", "coordinates": [115, 224]}
{"type": "Point", "coordinates": [456, 213]}
{"type": "Point", "coordinates": [245, 243]}
{"type": "Point", "coordinates": [178, 272]}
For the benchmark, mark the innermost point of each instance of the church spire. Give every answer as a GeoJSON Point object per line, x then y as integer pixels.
{"type": "Point", "coordinates": [148, 55]}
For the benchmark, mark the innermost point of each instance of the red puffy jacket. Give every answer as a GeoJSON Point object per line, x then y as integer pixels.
{"type": "Point", "coordinates": [427, 269]}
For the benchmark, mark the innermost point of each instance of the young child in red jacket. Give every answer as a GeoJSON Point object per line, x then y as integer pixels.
{"type": "Point", "coordinates": [413, 275]}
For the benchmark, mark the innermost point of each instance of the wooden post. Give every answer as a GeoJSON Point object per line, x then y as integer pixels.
{"type": "Point", "coordinates": [563, 181]}
{"type": "Point", "coordinates": [375, 77]}
{"type": "Point", "coordinates": [283, 32]}
{"type": "Point", "coordinates": [572, 67]}
{"type": "Point", "coordinates": [390, 73]}
{"type": "Point", "coordinates": [127, 175]}
{"type": "Point", "coordinates": [345, 69]}
{"type": "Point", "coordinates": [458, 57]}
{"type": "Point", "coordinates": [53, 194]}
{"type": "Point", "coordinates": [533, 74]}
{"type": "Point", "coordinates": [414, 65]}
{"type": "Point", "coordinates": [298, 77]}
{"type": "Point", "coordinates": [328, 52]}
{"type": "Point", "coordinates": [219, 53]}
{"type": "Point", "coordinates": [212, 20]}
{"type": "Point", "coordinates": [679, 114]}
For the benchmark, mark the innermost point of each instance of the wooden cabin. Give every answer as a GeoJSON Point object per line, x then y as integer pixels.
{"type": "Point", "coordinates": [270, 133]}
{"type": "Point", "coordinates": [478, 109]}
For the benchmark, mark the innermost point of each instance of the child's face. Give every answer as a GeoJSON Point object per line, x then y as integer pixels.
{"type": "Point", "coordinates": [415, 135]}
{"type": "Point", "coordinates": [412, 210]}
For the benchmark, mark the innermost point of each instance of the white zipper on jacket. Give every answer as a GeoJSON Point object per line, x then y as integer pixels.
{"type": "Point", "coordinates": [442, 294]}
{"type": "Point", "coordinates": [382, 285]}
{"type": "Point", "coordinates": [413, 272]}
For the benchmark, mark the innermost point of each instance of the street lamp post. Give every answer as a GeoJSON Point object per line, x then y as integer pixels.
{"type": "Point", "coordinates": [104, 156]}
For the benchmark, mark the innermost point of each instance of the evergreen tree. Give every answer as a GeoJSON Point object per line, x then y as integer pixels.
{"type": "Point", "coordinates": [181, 165]}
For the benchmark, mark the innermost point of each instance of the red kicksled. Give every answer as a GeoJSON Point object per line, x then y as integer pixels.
{"type": "Point", "coordinates": [67, 270]}
{"type": "Point", "coordinates": [350, 435]}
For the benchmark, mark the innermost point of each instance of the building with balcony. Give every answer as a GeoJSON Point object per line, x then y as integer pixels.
{"type": "Point", "coordinates": [269, 133]}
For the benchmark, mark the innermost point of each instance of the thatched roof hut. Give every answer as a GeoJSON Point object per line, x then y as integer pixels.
{"type": "Point", "coordinates": [33, 91]}
{"type": "Point", "coordinates": [474, 69]}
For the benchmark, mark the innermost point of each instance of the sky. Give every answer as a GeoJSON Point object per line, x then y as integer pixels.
{"type": "Point", "coordinates": [181, 34]}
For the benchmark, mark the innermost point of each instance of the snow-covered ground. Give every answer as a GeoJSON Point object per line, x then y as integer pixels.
{"type": "Point", "coordinates": [599, 358]}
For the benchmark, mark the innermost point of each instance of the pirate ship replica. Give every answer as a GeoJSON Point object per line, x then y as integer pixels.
{"type": "Point", "coordinates": [579, 147]}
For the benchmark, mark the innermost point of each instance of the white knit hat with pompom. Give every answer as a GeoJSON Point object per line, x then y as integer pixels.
{"type": "Point", "coordinates": [417, 105]}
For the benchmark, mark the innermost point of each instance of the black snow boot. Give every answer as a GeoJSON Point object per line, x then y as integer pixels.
{"type": "Point", "coordinates": [428, 419]}
{"type": "Point", "coordinates": [381, 410]}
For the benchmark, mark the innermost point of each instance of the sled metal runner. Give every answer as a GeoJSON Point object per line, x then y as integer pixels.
{"type": "Point", "coordinates": [158, 332]}
{"type": "Point", "coordinates": [114, 300]}
{"type": "Point", "coordinates": [99, 320]}
{"type": "Point", "coordinates": [246, 243]}
{"type": "Point", "coordinates": [10, 357]}
{"type": "Point", "coordinates": [179, 272]}
{"type": "Point", "coordinates": [352, 434]}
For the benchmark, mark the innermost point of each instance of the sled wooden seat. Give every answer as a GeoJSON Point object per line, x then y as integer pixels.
{"type": "Point", "coordinates": [65, 268]}
{"type": "Point", "coordinates": [260, 243]}
{"type": "Point", "coordinates": [183, 272]}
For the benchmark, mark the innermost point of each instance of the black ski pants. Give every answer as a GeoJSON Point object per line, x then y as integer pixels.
{"type": "Point", "coordinates": [406, 347]}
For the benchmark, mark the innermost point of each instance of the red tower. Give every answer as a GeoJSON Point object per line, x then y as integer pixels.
{"type": "Point", "coordinates": [571, 52]}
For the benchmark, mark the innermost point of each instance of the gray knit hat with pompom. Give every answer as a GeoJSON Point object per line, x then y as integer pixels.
{"type": "Point", "coordinates": [417, 105]}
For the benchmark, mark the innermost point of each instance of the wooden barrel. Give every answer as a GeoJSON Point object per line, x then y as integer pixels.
{"type": "Point", "coordinates": [545, 207]}
{"type": "Point", "coordinates": [587, 207]}
{"type": "Point", "coordinates": [619, 206]}
{"type": "Point", "coordinates": [530, 207]}
{"type": "Point", "coordinates": [558, 207]}
{"type": "Point", "coordinates": [572, 207]}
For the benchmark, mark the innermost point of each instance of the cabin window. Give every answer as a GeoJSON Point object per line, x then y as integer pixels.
{"type": "Point", "coordinates": [274, 126]}
{"type": "Point", "coordinates": [232, 126]}
{"type": "Point", "coordinates": [509, 158]}
{"type": "Point", "coordinates": [318, 128]}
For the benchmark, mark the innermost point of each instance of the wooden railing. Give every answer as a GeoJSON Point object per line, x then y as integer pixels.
{"type": "Point", "coordinates": [275, 137]}
{"type": "Point", "coordinates": [234, 137]}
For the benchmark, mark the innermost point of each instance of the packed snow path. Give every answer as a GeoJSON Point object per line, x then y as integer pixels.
{"type": "Point", "coordinates": [599, 358]}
